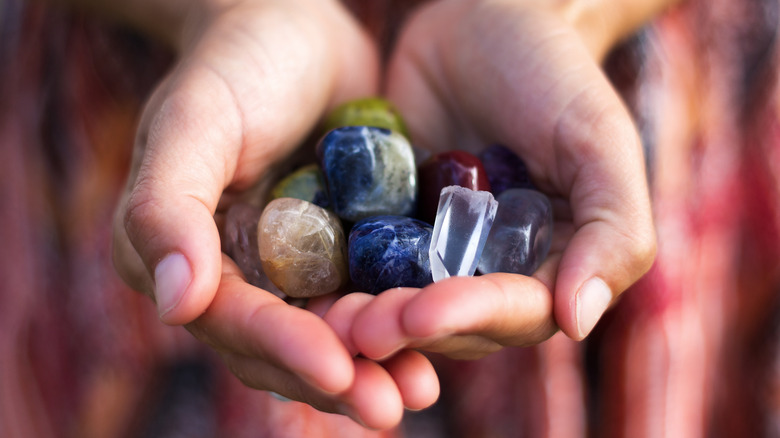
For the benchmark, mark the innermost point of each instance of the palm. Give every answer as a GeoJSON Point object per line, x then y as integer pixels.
{"type": "Point", "coordinates": [468, 74]}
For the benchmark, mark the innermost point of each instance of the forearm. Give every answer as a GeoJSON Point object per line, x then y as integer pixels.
{"type": "Point", "coordinates": [604, 23]}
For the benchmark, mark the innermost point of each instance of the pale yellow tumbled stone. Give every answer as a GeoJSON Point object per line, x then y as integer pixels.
{"type": "Point", "coordinates": [302, 247]}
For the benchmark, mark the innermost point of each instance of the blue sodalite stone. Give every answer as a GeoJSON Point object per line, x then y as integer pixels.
{"type": "Point", "coordinates": [369, 171]}
{"type": "Point", "coordinates": [389, 251]}
{"type": "Point", "coordinates": [505, 170]}
{"type": "Point", "coordinates": [521, 234]}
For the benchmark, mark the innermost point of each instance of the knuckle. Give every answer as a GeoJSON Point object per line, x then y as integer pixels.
{"type": "Point", "coordinates": [643, 250]}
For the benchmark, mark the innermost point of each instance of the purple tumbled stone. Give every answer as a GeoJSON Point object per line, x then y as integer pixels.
{"type": "Point", "coordinates": [521, 234]}
{"type": "Point", "coordinates": [240, 244]}
{"type": "Point", "coordinates": [505, 170]}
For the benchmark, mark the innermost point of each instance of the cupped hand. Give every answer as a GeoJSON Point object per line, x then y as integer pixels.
{"type": "Point", "coordinates": [252, 79]}
{"type": "Point", "coordinates": [467, 74]}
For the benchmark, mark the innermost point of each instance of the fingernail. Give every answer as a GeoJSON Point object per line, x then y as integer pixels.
{"type": "Point", "coordinates": [172, 276]}
{"type": "Point", "coordinates": [591, 302]}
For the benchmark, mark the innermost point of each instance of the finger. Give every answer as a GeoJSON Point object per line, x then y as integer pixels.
{"type": "Point", "coordinates": [247, 321]}
{"type": "Point", "coordinates": [377, 330]}
{"type": "Point", "coordinates": [341, 317]}
{"type": "Point", "coordinates": [374, 399]}
{"type": "Point", "coordinates": [259, 374]}
{"type": "Point", "coordinates": [463, 317]}
{"type": "Point", "coordinates": [613, 243]}
{"type": "Point", "coordinates": [509, 309]}
{"type": "Point", "coordinates": [415, 377]}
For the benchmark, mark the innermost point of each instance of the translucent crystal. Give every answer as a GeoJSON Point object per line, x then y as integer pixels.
{"type": "Point", "coordinates": [463, 221]}
{"type": "Point", "coordinates": [521, 235]}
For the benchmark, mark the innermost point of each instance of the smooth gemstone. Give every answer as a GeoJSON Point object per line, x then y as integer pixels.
{"type": "Point", "coordinates": [463, 222]}
{"type": "Point", "coordinates": [240, 244]}
{"type": "Point", "coordinates": [371, 111]}
{"type": "Point", "coordinates": [453, 168]}
{"type": "Point", "coordinates": [505, 169]}
{"type": "Point", "coordinates": [306, 183]}
{"type": "Point", "coordinates": [369, 172]}
{"type": "Point", "coordinates": [521, 234]}
{"type": "Point", "coordinates": [302, 248]}
{"type": "Point", "coordinates": [389, 251]}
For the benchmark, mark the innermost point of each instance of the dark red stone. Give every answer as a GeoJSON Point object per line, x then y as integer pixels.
{"type": "Point", "coordinates": [453, 168]}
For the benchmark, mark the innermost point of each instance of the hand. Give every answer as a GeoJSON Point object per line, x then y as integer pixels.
{"type": "Point", "coordinates": [253, 78]}
{"type": "Point", "coordinates": [466, 74]}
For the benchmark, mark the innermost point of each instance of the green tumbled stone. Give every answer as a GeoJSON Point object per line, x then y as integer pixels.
{"type": "Point", "coordinates": [303, 250]}
{"type": "Point", "coordinates": [370, 111]}
{"type": "Point", "coordinates": [306, 183]}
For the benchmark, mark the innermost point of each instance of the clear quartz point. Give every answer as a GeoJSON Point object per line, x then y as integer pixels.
{"type": "Point", "coordinates": [462, 224]}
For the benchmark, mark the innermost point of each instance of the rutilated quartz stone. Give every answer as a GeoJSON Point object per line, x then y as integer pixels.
{"type": "Point", "coordinates": [302, 248]}
{"type": "Point", "coordinates": [463, 221]}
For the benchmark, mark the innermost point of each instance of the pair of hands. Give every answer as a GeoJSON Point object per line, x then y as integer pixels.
{"type": "Point", "coordinates": [254, 77]}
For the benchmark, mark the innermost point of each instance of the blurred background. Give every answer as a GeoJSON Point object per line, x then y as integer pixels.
{"type": "Point", "coordinates": [690, 351]}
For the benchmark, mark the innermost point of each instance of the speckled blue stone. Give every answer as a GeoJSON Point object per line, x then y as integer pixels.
{"type": "Point", "coordinates": [505, 170]}
{"type": "Point", "coordinates": [389, 251]}
{"type": "Point", "coordinates": [369, 171]}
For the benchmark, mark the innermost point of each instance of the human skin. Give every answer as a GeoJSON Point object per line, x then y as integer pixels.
{"type": "Point", "coordinates": [526, 74]}
{"type": "Point", "coordinates": [253, 78]}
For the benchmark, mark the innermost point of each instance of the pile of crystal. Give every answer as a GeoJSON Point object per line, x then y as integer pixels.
{"type": "Point", "coordinates": [407, 224]}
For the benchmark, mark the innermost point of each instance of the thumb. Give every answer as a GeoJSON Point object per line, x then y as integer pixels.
{"type": "Point", "coordinates": [167, 219]}
{"type": "Point", "coordinates": [614, 240]}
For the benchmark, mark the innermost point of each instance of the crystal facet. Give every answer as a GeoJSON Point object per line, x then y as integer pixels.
{"type": "Point", "coordinates": [306, 183]}
{"type": "Point", "coordinates": [240, 244]}
{"type": "Point", "coordinates": [302, 248]}
{"type": "Point", "coordinates": [505, 169]}
{"type": "Point", "coordinates": [453, 168]}
{"type": "Point", "coordinates": [369, 172]}
{"type": "Point", "coordinates": [463, 221]}
{"type": "Point", "coordinates": [389, 251]}
{"type": "Point", "coordinates": [370, 111]}
{"type": "Point", "coordinates": [521, 234]}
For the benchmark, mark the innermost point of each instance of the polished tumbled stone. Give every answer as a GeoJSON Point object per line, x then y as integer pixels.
{"type": "Point", "coordinates": [306, 183]}
{"type": "Point", "coordinates": [370, 111]}
{"type": "Point", "coordinates": [463, 221]}
{"type": "Point", "coordinates": [521, 234]}
{"type": "Point", "coordinates": [240, 244]}
{"type": "Point", "coordinates": [389, 251]}
{"type": "Point", "coordinates": [452, 168]}
{"type": "Point", "coordinates": [369, 172]}
{"type": "Point", "coordinates": [302, 248]}
{"type": "Point", "coordinates": [505, 169]}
